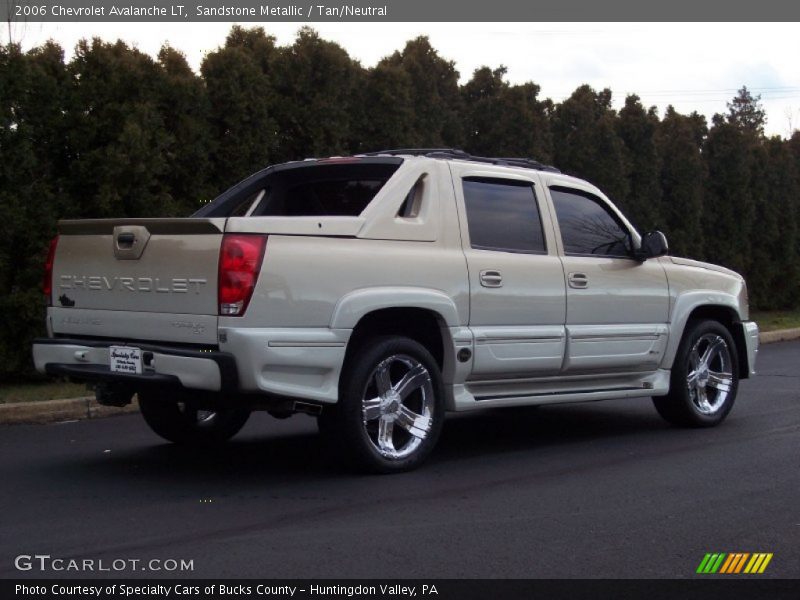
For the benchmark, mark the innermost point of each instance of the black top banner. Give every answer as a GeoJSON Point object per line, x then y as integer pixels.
{"type": "Point", "coordinates": [312, 11]}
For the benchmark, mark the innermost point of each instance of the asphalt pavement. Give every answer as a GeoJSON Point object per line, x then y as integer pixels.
{"type": "Point", "coordinates": [588, 490]}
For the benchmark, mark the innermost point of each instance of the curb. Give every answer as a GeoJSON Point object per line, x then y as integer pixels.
{"type": "Point", "coordinates": [780, 335]}
{"type": "Point", "coordinates": [50, 411]}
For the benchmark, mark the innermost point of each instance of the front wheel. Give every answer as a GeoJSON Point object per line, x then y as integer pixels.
{"type": "Point", "coordinates": [704, 379]}
{"type": "Point", "coordinates": [391, 405]}
{"type": "Point", "coordinates": [179, 422]}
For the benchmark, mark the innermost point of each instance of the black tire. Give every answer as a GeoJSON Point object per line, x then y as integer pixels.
{"type": "Point", "coordinates": [397, 430]}
{"type": "Point", "coordinates": [180, 423]}
{"type": "Point", "coordinates": [684, 405]}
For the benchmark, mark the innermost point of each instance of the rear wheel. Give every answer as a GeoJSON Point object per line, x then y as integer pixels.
{"type": "Point", "coordinates": [177, 421]}
{"type": "Point", "coordinates": [704, 379]}
{"type": "Point", "coordinates": [391, 406]}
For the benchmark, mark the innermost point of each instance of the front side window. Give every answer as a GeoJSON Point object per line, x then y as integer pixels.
{"type": "Point", "coordinates": [587, 226]}
{"type": "Point", "coordinates": [502, 214]}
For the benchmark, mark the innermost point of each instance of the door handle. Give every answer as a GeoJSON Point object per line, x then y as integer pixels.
{"type": "Point", "coordinates": [491, 278]}
{"type": "Point", "coordinates": [578, 281]}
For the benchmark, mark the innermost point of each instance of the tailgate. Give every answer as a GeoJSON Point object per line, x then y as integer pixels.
{"type": "Point", "coordinates": [150, 279]}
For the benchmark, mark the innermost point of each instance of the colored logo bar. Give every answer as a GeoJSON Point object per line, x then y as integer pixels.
{"type": "Point", "coordinates": [734, 562]}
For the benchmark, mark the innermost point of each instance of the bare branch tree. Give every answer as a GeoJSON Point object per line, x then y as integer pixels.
{"type": "Point", "coordinates": [790, 114]}
{"type": "Point", "coordinates": [13, 25]}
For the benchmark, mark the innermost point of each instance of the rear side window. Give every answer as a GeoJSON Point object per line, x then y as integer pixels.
{"type": "Point", "coordinates": [587, 226]}
{"type": "Point", "coordinates": [502, 214]}
{"type": "Point", "coordinates": [336, 197]}
{"type": "Point", "coordinates": [323, 190]}
{"type": "Point", "coordinates": [314, 189]}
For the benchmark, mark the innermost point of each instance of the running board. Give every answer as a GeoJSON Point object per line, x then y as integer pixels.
{"type": "Point", "coordinates": [554, 394]}
{"type": "Point", "coordinates": [532, 392]}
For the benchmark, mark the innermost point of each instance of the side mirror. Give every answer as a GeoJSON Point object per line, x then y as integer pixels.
{"type": "Point", "coordinates": [654, 244]}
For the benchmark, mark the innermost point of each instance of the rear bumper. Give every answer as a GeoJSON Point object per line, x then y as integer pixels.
{"type": "Point", "coordinates": [301, 363]}
{"type": "Point", "coordinates": [293, 362]}
{"type": "Point", "coordinates": [88, 361]}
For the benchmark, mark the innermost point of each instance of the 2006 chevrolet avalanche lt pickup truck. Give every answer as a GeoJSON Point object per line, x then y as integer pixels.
{"type": "Point", "coordinates": [379, 292]}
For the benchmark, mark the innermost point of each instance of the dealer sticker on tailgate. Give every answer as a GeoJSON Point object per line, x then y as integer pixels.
{"type": "Point", "coordinates": [125, 359]}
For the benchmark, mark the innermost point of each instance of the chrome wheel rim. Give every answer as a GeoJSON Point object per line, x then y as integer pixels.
{"type": "Point", "coordinates": [199, 417]}
{"type": "Point", "coordinates": [710, 373]}
{"type": "Point", "coordinates": [205, 416]}
{"type": "Point", "coordinates": [397, 406]}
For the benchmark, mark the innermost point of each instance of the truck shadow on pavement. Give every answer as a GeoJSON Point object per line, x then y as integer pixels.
{"type": "Point", "coordinates": [291, 451]}
{"type": "Point", "coordinates": [534, 429]}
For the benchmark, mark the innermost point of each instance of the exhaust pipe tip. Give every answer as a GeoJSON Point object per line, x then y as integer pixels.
{"type": "Point", "coordinates": [306, 407]}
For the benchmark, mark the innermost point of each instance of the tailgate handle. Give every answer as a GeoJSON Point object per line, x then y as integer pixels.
{"type": "Point", "coordinates": [125, 240]}
{"type": "Point", "coordinates": [130, 241]}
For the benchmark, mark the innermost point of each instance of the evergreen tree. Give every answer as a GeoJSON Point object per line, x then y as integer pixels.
{"type": "Point", "coordinates": [239, 83]}
{"type": "Point", "coordinates": [120, 141]}
{"type": "Point", "coordinates": [435, 94]}
{"type": "Point", "coordinates": [504, 120]}
{"type": "Point", "coordinates": [729, 205]}
{"type": "Point", "coordinates": [745, 112]}
{"type": "Point", "coordinates": [683, 173]}
{"type": "Point", "coordinates": [741, 198]}
{"type": "Point", "coordinates": [586, 143]}
{"type": "Point", "coordinates": [385, 117]}
{"type": "Point", "coordinates": [774, 279]}
{"type": "Point", "coordinates": [637, 129]}
{"type": "Point", "coordinates": [34, 95]}
{"type": "Point", "coordinates": [793, 147]}
{"type": "Point", "coordinates": [183, 102]}
{"type": "Point", "coordinates": [764, 229]}
{"type": "Point", "coordinates": [316, 83]}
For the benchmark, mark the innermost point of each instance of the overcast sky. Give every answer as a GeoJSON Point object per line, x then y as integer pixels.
{"type": "Point", "coordinates": [692, 66]}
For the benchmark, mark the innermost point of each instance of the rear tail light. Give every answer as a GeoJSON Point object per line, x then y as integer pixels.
{"type": "Point", "coordinates": [239, 264]}
{"type": "Point", "coordinates": [47, 282]}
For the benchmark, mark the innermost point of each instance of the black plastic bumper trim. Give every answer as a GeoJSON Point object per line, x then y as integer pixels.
{"type": "Point", "coordinates": [229, 376]}
{"type": "Point", "coordinates": [103, 373]}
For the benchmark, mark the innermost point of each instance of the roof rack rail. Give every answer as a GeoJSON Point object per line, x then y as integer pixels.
{"type": "Point", "coordinates": [525, 163]}
{"type": "Point", "coordinates": [418, 151]}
